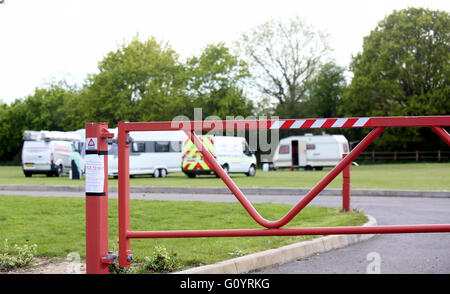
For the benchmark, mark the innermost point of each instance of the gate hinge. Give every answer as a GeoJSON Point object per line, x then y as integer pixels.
{"type": "Point", "coordinates": [110, 258]}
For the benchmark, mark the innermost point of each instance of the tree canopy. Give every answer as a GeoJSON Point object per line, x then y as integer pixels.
{"type": "Point", "coordinates": [283, 57]}
{"type": "Point", "coordinates": [141, 81]}
{"type": "Point", "coordinates": [216, 83]}
{"type": "Point", "coordinates": [403, 69]}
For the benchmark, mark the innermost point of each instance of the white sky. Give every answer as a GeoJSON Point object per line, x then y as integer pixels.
{"type": "Point", "coordinates": [42, 41]}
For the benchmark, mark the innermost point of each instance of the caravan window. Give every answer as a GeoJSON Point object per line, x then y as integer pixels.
{"type": "Point", "coordinates": [310, 146]}
{"type": "Point", "coordinates": [162, 146]}
{"type": "Point", "coordinates": [176, 146]}
{"type": "Point", "coordinates": [138, 147]}
{"type": "Point", "coordinates": [284, 149]}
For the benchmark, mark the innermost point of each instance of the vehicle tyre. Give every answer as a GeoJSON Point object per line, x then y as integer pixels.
{"type": "Point", "coordinates": [191, 175]}
{"type": "Point", "coordinates": [156, 173]}
{"type": "Point", "coordinates": [163, 173]}
{"type": "Point", "coordinates": [226, 168]}
{"type": "Point", "coordinates": [251, 171]}
{"type": "Point", "coordinates": [308, 167]}
{"type": "Point", "coordinates": [318, 168]}
{"type": "Point", "coordinates": [59, 171]}
{"type": "Point", "coordinates": [28, 174]}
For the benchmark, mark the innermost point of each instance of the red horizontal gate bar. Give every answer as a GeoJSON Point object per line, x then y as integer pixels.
{"type": "Point", "coordinates": [359, 122]}
{"type": "Point", "coordinates": [393, 229]}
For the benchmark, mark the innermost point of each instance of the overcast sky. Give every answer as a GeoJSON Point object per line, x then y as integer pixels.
{"type": "Point", "coordinates": [42, 41]}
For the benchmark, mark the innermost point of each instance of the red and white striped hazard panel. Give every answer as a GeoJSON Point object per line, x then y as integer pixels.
{"type": "Point", "coordinates": [319, 123]}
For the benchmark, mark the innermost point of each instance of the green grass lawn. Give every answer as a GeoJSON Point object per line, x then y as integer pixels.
{"type": "Point", "coordinates": [409, 176]}
{"type": "Point", "coordinates": [57, 226]}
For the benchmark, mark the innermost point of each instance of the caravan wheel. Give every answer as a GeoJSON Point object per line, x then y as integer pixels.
{"type": "Point", "coordinates": [156, 173]}
{"type": "Point", "coordinates": [163, 173]}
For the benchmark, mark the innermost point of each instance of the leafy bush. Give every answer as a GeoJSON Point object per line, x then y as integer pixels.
{"type": "Point", "coordinates": [114, 268]}
{"type": "Point", "coordinates": [23, 257]}
{"type": "Point", "coordinates": [161, 261]}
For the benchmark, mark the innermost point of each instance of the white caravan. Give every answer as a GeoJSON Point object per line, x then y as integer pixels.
{"type": "Point", "coordinates": [155, 153]}
{"type": "Point", "coordinates": [232, 153]}
{"type": "Point", "coordinates": [310, 151]}
{"type": "Point", "coordinates": [48, 152]}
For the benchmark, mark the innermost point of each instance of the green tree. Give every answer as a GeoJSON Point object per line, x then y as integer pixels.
{"type": "Point", "coordinates": [325, 91]}
{"type": "Point", "coordinates": [215, 83]}
{"type": "Point", "coordinates": [43, 110]}
{"type": "Point", "coordinates": [141, 81]}
{"type": "Point", "coordinates": [283, 57]}
{"type": "Point", "coordinates": [403, 69]}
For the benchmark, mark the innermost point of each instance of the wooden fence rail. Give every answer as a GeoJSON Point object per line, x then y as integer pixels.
{"type": "Point", "coordinates": [405, 155]}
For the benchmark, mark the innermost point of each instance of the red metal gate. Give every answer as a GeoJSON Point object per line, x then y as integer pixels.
{"type": "Point", "coordinates": [271, 228]}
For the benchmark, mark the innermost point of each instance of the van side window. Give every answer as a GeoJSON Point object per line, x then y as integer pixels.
{"type": "Point", "coordinates": [310, 146]}
{"type": "Point", "coordinates": [284, 149]}
{"type": "Point", "coordinates": [245, 147]}
{"type": "Point", "coordinates": [138, 147]}
{"type": "Point", "coordinates": [162, 146]}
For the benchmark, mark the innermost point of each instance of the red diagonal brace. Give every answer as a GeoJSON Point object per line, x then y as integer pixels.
{"type": "Point", "coordinates": [442, 133]}
{"type": "Point", "coordinates": [304, 201]}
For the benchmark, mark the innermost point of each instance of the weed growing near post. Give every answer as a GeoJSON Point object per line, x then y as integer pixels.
{"type": "Point", "coordinates": [24, 255]}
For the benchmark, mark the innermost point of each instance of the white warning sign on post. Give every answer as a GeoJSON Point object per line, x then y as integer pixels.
{"type": "Point", "coordinates": [95, 173]}
{"type": "Point", "coordinates": [91, 143]}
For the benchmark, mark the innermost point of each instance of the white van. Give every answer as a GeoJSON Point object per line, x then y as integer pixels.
{"type": "Point", "coordinates": [48, 152]}
{"type": "Point", "coordinates": [155, 153]}
{"type": "Point", "coordinates": [232, 153]}
{"type": "Point", "coordinates": [310, 151]}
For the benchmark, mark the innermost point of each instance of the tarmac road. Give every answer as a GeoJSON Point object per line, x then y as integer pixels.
{"type": "Point", "coordinates": [426, 253]}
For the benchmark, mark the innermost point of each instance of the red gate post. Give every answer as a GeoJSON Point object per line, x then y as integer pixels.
{"type": "Point", "coordinates": [346, 187]}
{"type": "Point", "coordinates": [96, 198]}
{"type": "Point", "coordinates": [123, 148]}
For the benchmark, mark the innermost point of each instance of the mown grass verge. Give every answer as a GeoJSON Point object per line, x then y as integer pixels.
{"type": "Point", "coordinates": [411, 176]}
{"type": "Point", "coordinates": [57, 226]}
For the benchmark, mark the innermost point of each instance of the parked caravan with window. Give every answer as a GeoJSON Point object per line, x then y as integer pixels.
{"type": "Point", "coordinates": [310, 151]}
{"type": "Point", "coordinates": [154, 153]}
{"type": "Point", "coordinates": [232, 153]}
{"type": "Point", "coordinates": [48, 152]}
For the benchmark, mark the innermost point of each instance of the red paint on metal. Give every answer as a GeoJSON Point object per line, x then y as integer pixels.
{"type": "Point", "coordinates": [304, 201]}
{"type": "Point", "coordinates": [346, 187]}
{"type": "Point", "coordinates": [329, 123]}
{"type": "Point", "coordinates": [273, 228]}
{"type": "Point", "coordinates": [97, 212]}
{"type": "Point", "coordinates": [373, 122]}
{"type": "Point", "coordinates": [442, 133]}
{"type": "Point", "coordinates": [124, 194]}
{"type": "Point", "coordinates": [348, 230]}
{"type": "Point", "coordinates": [349, 123]}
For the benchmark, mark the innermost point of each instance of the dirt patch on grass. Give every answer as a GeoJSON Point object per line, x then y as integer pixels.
{"type": "Point", "coordinates": [50, 266]}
